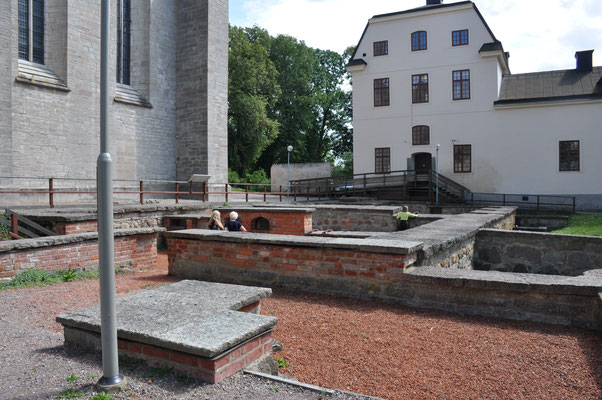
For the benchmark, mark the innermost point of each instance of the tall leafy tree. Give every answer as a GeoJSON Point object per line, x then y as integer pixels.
{"type": "Point", "coordinates": [253, 91]}
{"type": "Point", "coordinates": [294, 62]}
{"type": "Point", "coordinates": [330, 132]}
{"type": "Point", "coordinates": [310, 108]}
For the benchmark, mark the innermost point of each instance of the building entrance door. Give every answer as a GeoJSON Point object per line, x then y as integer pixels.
{"type": "Point", "coordinates": [423, 162]}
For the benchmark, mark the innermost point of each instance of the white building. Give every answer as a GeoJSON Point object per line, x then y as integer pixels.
{"type": "Point", "coordinates": [438, 75]}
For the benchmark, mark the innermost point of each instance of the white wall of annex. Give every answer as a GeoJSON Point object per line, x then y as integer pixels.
{"type": "Point", "coordinates": [391, 126]}
{"type": "Point", "coordinates": [514, 150]}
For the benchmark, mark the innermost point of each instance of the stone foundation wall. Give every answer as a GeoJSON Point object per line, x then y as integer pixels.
{"type": "Point", "coordinates": [386, 277]}
{"type": "Point", "coordinates": [355, 218]}
{"type": "Point", "coordinates": [314, 264]}
{"type": "Point", "coordinates": [534, 252]}
{"type": "Point", "coordinates": [570, 301]}
{"type": "Point", "coordinates": [74, 227]}
{"type": "Point", "coordinates": [134, 249]}
{"type": "Point", "coordinates": [550, 222]}
{"type": "Point", "coordinates": [458, 251]}
{"type": "Point", "coordinates": [212, 370]}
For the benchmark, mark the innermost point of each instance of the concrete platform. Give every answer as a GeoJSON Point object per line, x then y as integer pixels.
{"type": "Point", "coordinates": [208, 330]}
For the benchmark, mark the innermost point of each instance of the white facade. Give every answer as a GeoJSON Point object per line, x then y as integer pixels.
{"type": "Point", "coordinates": [514, 145]}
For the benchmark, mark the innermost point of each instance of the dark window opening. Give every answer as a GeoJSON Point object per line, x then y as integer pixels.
{"type": "Point", "coordinates": [123, 41]}
{"type": "Point", "coordinates": [569, 155]}
{"type": "Point", "coordinates": [421, 135]}
{"type": "Point", "coordinates": [460, 38]}
{"type": "Point", "coordinates": [420, 88]}
{"type": "Point", "coordinates": [31, 30]}
{"type": "Point", "coordinates": [461, 84]}
{"type": "Point", "coordinates": [382, 159]}
{"type": "Point", "coordinates": [260, 224]}
{"type": "Point", "coordinates": [381, 92]}
{"type": "Point", "coordinates": [419, 41]}
{"type": "Point", "coordinates": [381, 48]}
{"type": "Point", "coordinates": [462, 158]}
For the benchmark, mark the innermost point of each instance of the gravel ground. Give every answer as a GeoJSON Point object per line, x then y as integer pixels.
{"type": "Point", "coordinates": [366, 347]}
{"type": "Point", "coordinates": [35, 365]}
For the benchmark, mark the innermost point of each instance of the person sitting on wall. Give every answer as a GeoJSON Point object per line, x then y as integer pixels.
{"type": "Point", "coordinates": [402, 218]}
{"type": "Point", "coordinates": [215, 223]}
{"type": "Point", "coordinates": [233, 225]}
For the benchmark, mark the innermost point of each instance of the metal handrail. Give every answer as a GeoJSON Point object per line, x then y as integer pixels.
{"type": "Point", "coordinates": [51, 191]}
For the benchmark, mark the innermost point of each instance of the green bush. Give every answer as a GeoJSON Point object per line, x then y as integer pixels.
{"type": "Point", "coordinates": [258, 176]}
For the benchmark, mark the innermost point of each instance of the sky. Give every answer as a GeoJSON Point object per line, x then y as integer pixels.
{"type": "Point", "coordinates": [541, 35]}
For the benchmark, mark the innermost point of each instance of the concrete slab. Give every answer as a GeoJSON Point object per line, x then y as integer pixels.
{"type": "Point", "coordinates": [193, 317]}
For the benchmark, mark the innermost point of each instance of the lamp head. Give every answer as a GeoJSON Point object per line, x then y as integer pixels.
{"type": "Point", "coordinates": [289, 148]}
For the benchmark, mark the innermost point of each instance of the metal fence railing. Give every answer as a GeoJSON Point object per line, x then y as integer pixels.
{"type": "Point", "coordinates": [139, 191]}
{"type": "Point", "coordinates": [531, 201]}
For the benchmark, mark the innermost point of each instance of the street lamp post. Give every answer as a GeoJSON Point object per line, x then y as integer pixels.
{"type": "Point", "coordinates": [437, 174]}
{"type": "Point", "coordinates": [288, 169]}
{"type": "Point", "coordinates": [111, 381]}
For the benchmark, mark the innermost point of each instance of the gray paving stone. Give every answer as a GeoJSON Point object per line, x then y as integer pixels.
{"type": "Point", "coordinates": [190, 316]}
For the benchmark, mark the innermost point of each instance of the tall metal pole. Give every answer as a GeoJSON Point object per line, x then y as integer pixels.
{"type": "Point", "coordinates": [288, 190]}
{"type": "Point", "coordinates": [111, 381]}
{"type": "Point", "coordinates": [437, 175]}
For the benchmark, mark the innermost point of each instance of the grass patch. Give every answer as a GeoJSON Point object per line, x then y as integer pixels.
{"type": "Point", "coordinates": [70, 394]}
{"type": "Point", "coordinates": [583, 224]}
{"type": "Point", "coordinates": [4, 229]}
{"type": "Point", "coordinates": [36, 277]}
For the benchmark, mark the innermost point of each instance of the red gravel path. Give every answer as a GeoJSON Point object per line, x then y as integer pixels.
{"type": "Point", "coordinates": [390, 351]}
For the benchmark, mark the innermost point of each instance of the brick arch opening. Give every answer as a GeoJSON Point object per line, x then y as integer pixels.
{"type": "Point", "coordinates": [260, 224]}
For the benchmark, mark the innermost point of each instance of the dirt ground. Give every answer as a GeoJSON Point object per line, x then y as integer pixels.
{"type": "Point", "coordinates": [385, 350]}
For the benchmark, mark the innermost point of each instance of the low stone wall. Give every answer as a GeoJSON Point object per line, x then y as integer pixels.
{"type": "Point", "coordinates": [355, 218]}
{"type": "Point", "coordinates": [378, 270]}
{"type": "Point", "coordinates": [304, 263]}
{"type": "Point", "coordinates": [551, 222]}
{"type": "Point", "coordinates": [134, 249]}
{"type": "Point", "coordinates": [534, 252]}
{"type": "Point", "coordinates": [454, 236]}
{"type": "Point", "coordinates": [570, 301]}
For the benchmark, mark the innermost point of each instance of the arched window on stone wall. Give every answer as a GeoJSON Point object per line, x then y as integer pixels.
{"type": "Point", "coordinates": [260, 224]}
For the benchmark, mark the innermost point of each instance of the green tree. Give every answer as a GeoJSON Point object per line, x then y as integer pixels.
{"type": "Point", "coordinates": [330, 133]}
{"type": "Point", "coordinates": [294, 62]}
{"type": "Point", "coordinates": [253, 91]}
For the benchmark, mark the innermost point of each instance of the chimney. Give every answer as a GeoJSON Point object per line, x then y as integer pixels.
{"type": "Point", "coordinates": [584, 60]}
{"type": "Point", "coordinates": [433, 2]}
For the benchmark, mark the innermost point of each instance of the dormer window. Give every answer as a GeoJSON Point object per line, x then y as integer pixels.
{"type": "Point", "coordinates": [419, 41]}
{"type": "Point", "coordinates": [381, 48]}
{"type": "Point", "coordinates": [460, 38]}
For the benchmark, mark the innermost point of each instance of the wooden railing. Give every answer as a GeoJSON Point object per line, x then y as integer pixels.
{"type": "Point", "coordinates": [17, 231]}
{"type": "Point", "coordinates": [143, 189]}
{"type": "Point", "coordinates": [407, 181]}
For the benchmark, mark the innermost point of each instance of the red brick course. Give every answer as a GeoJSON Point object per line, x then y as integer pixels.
{"type": "Point", "coordinates": [68, 228]}
{"type": "Point", "coordinates": [136, 251]}
{"type": "Point", "coordinates": [297, 261]}
{"type": "Point", "coordinates": [210, 370]}
{"type": "Point", "coordinates": [281, 223]}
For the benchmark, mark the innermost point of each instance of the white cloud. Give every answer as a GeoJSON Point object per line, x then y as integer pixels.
{"type": "Point", "coordinates": [539, 34]}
